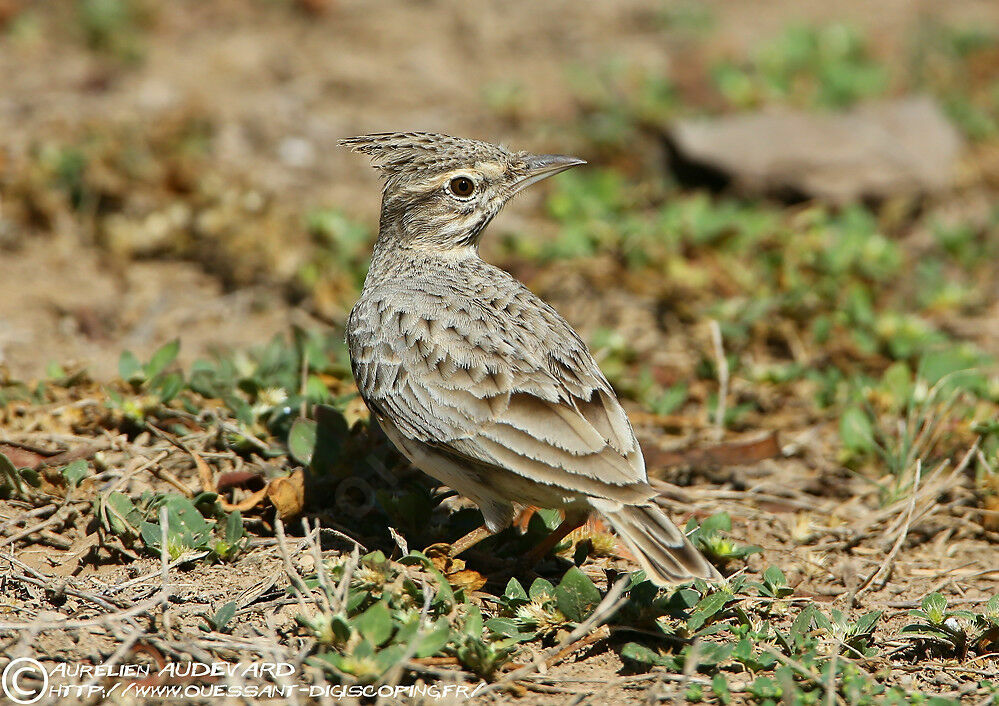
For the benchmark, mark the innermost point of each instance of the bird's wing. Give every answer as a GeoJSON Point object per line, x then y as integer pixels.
{"type": "Point", "coordinates": [509, 384]}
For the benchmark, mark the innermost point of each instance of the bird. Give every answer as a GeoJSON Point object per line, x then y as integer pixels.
{"type": "Point", "coordinates": [475, 379]}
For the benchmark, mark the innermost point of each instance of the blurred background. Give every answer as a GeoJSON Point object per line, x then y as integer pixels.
{"type": "Point", "coordinates": [818, 177]}
{"type": "Point", "coordinates": [783, 252]}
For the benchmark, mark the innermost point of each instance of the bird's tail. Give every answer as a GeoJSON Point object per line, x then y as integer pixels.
{"type": "Point", "coordinates": [661, 548]}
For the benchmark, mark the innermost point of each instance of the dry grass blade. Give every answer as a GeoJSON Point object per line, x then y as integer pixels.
{"type": "Point", "coordinates": [878, 578]}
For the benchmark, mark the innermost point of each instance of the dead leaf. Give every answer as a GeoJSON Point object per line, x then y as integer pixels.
{"type": "Point", "coordinates": [467, 579]}
{"type": "Point", "coordinates": [727, 454]}
{"type": "Point", "coordinates": [247, 503]}
{"type": "Point", "coordinates": [248, 480]}
{"type": "Point", "coordinates": [990, 518]}
{"type": "Point", "coordinates": [204, 473]}
{"type": "Point", "coordinates": [288, 494]}
{"type": "Point", "coordinates": [22, 457]}
{"type": "Point", "coordinates": [356, 411]}
{"type": "Point", "coordinates": [440, 556]}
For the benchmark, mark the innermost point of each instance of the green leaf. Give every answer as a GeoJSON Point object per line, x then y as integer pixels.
{"type": "Point", "coordinates": [388, 657]}
{"type": "Point", "coordinates": [186, 527]}
{"type": "Point", "coordinates": [169, 386]}
{"type": "Point", "coordinates": [33, 477]}
{"type": "Point", "coordinates": [926, 631]}
{"type": "Point", "coordinates": [375, 624]}
{"type": "Point", "coordinates": [897, 380]}
{"type": "Point", "coordinates": [473, 622]}
{"type": "Point", "coordinates": [802, 623]}
{"type": "Point", "coordinates": [707, 607]}
{"type": "Point", "coordinates": [162, 358]}
{"type": "Point", "coordinates": [990, 611]}
{"type": "Point", "coordinates": [719, 522]}
{"type": "Point", "coordinates": [856, 431]}
{"type": "Point", "coordinates": [223, 615]}
{"type": "Point", "coordinates": [184, 517]}
{"type": "Point", "coordinates": [643, 655]}
{"type": "Point", "coordinates": [340, 627]}
{"type": "Point", "coordinates": [866, 622]}
{"type": "Point", "coordinates": [203, 499]}
{"type": "Point", "coordinates": [434, 641]}
{"type": "Point", "coordinates": [959, 364]}
{"type": "Point", "coordinates": [774, 576]}
{"type": "Point", "coordinates": [75, 472]}
{"type": "Point", "coordinates": [935, 606]}
{"type": "Point", "coordinates": [720, 687]}
{"type": "Point", "coordinates": [514, 591]}
{"type": "Point", "coordinates": [576, 596]}
{"type": "Point", "coordinates": [316, 390]}
{"type": "Point", "coordinates": [7, 467]}
{"type": "Point", "coordinates": [551, 518]}
{"type": "Point", "coordinates": [129, 367]}
{"type": "Point", "coordinates": [445, 594]}
{"type": "Point", "coordinates": [122, 515]}
{"type": "Point", "coordinates": [541, 587]}
{"type": "Point", "coordinates": [234, 530]}
{"type": "Point", "coordinates": [775, 582]}
{"type": "Point", "coordinates": [507, 627]}
{"type": "Point", "coordinates": [302, 440]}
{"type": "Point", "coordinates": [151, 534]}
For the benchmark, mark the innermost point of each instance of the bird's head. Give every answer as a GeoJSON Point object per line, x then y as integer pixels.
{"type": "Point", "coordinates": [440, 191]}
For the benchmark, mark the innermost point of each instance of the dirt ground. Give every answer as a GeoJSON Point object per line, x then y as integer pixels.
{"type": "Point", "coordinates": [280, 88]}
{"type": "Point", "coordinates": [279, 84]}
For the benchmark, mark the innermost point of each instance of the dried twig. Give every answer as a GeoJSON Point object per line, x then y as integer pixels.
{"type": "Point", "coordinates": [722, 362]}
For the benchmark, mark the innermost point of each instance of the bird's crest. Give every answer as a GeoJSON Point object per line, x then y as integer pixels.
{"type": "Point", "coordinates": [397, 153]}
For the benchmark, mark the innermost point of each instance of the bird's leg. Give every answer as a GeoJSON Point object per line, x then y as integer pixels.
{"type": "Point", "coordinates": [468, 541]}
{"type": "Point", "coordinates": [572, 521]}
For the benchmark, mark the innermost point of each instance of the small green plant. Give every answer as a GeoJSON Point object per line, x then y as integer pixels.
{"type": "Point", "coordinates": [710, 536]}
{"type": "Point", "coordinates": [545, 608]}
{"type": "Point", "coordinates": [661, 399]}
{"type": "Point", "coordinates": [902, 420]}
{"type": "Point", "coordinates": [340, 256]}
{"type": "Point", "coordinates": [219, 620]}
{"type": "Point", "coordinates": [828, 66]}
{"type": "Point", "coordinates": [189, 535]}
{"type": "Point", "coordinates": [617, 100]}
{"type": "Point", "coordinates": [152, 383]}
{"type": "Point", "coordinates": [478, 652]}
{"type": "Point", "coordinates": [263, 390]}
{"type": "Point", "coordinates": [386, 615]}
{"type": "Point", "coordinates": [954, 632]}
{"type": "Point", "coordinates": [114, 27]}
{"type": "Point", "coordinates": [944, 62]}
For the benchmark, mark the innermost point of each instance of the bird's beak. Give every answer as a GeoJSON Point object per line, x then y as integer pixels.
{"type": "Point", "coordinates": [542, 166]}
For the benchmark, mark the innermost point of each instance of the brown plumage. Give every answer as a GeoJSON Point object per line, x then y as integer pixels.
{"type": "Point", "coordinates": [475, 379]}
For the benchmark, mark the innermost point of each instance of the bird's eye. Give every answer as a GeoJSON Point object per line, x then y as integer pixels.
{"type": "Point", "coordinates": [462, 186]}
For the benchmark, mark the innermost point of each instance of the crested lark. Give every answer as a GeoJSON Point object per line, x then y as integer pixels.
{"type": "Point", "coordinates": [477, 381]}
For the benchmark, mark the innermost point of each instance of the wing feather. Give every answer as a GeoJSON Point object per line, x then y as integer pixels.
{"type": "Point", "coordinates": [450, 377]}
